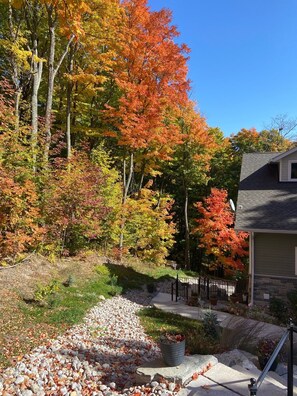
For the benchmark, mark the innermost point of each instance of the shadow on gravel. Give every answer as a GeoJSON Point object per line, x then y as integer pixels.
{"type": "Point", "coordinates": [128, 278]}
{"type": "Point", "coordinates": [118, 358]}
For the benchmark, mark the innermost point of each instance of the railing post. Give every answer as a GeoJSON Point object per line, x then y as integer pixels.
{"type": "Point", "coordinates": [290, 360]}
{"type": "Point", "coordinates": [207, 283]}
{"type": "Point", "coordinates": [253, 387]}
{"type": "Point", "coordinates": [172, 291]}
{"type": "Point", "coordinates": [176, 294]}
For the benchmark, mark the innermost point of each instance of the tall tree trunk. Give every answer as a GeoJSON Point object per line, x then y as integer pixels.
{"type": "Point", "coordinates": [18, 95]}
{"type": "Point", "coordinates": [50, 87]}
{"type": "Point", "coordinates": [33, 15]}
{"type": "Point", "coordinates": [127, 183]}
{"type": "Point", "coordinates": [187, 230]}
{"type": "Point", "coordinates": [68, 106]}
{"type": "Point", "coordinates": [52, 71]}
{"type": "Point", "coordinates": [37, 67]}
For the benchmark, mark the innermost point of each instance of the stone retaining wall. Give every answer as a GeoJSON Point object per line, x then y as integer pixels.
{"type": "Point", "coordinates": [267, 287]}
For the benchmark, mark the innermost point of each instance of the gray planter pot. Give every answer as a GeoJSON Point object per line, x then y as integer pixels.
{"type": "Point", "coordinates": [173, 354]}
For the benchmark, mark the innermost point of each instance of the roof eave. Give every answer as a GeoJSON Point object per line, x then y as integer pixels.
{"type": "Point", "coordinates": [267, 231]}
{"type": "Point", "coordinates": [283, 155]}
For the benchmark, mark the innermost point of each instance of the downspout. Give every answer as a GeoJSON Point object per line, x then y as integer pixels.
{"type": "Point", "coordinates": [252, 267]}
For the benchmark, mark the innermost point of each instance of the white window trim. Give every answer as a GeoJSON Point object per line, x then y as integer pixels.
{"type": "Point", "coordinates": [290, 162]}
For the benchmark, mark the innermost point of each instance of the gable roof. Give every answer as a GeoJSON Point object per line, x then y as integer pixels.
{"type": "Point", "coordinates": [264, 203]}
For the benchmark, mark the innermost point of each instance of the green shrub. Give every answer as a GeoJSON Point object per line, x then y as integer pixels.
{"type": "Point", "coordinates": [113, 280]}
{"type": "Point", "coordinates": [210, 325]}
{"type": "Point", "coordinates": [102, 270]}
{"type": "Point", "coordinates": [44, 291]}
{"type": "Point", "coordinates": [115, 289]}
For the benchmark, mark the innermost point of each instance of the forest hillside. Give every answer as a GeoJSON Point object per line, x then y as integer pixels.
{"type": "Point", "coordinates": [101, 147]}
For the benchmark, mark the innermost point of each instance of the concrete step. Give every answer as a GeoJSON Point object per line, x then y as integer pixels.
{"type": "Point", "coordinates": [204, 386]}
{"type": "Point", "coordinates": [182, 374]}
{"type": "Point", "coordinates": [271, 377]}
{"type": "Point", "coordinates": [222, 380]}
{"type": "Point", "coordinates": [283, 379]}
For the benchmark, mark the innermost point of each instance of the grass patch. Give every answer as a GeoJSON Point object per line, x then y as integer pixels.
{"type": "Point", "coordinates": [27, 325]}
{"type": "Point", "coordinates": [155, 322]}
{"type": "Point", "coordinates": [60, 304]}
{"type": "Point", "coordinates": [69, 305]}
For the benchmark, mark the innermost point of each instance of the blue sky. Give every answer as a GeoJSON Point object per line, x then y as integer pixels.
{"type": "Point", "coordinates": [243, 61]}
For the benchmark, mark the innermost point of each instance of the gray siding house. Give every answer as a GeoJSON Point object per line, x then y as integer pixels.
{"type": "Point", "coordinates": [267, 209]}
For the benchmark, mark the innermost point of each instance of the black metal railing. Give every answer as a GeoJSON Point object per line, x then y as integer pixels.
{"type": "Point", "coordinates": [289, 334]}
{"type": "Point", "coordinates": [179, 288]}
{"type": "Point", "coordinates": [203, 287]}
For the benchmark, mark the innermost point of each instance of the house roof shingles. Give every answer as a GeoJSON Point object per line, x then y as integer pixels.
{"type": "Point", "coordinates": [263, 202]}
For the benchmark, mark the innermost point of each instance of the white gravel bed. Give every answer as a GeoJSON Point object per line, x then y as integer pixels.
{"type": "Point", "coordinates": [97, 357]}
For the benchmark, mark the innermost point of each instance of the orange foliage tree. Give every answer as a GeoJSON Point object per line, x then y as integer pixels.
{"type": "Point", "coordinates": [20, 217]}
{"type": "Point", "coordinates": [151, 73]}
{"type": "Point", "coordinates": [217, 235]}
{"type": "Point", "coordinates": [189, 168]}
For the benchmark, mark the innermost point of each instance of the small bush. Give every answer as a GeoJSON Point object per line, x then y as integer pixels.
{"type": "Point", "coordinates": [44, 291]}
{"type": "Point", "coordinates": [210, 325]}
{"type": "Point", "coordinates": [266, 347]}
{"type": "Point", "coordinates": [113, 280]}
{"type": "Point", "coordinates": [102, 270]}
{"type": "Point", "coordinates": [69, 281]}
{"type": "Point", "coordinates": [292, 297]}
{"type": "Point", "coordinates": [278, 308]}
{"type": "Point", "coordinates": [115, 289]}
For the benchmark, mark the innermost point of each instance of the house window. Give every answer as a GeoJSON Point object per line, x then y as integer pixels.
{"type": "Point", "coordinates": [293, 170]}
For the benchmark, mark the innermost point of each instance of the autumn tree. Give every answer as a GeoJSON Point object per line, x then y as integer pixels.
{"type": "Point", "coordinates": [151, 74]}
{"type": "Point", "coordinates": [222, 244]}
{"type": "Point", "coordinates": [88, 70]}
{"type": "Point", "coordinates": [20, 217]}
{"type": "Point", "coordinates": [111, 192]}
{"type": "Point", "coordinates": [66, 17]}
{"type": "Point", "coordinates": [74, 206]}
{"type": "Point", "coordinates": [223, 165]}
{"type": "Point", "coordinates": [226, 161]}
{"type": "Point", "coordinates": [188, 170]}
{"type": "Point", "coordinates": [14, 53]}
{"type": "Point", "coordinates": [149, 231]}
{"type": "Point", "coordinates": [251, 141]}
